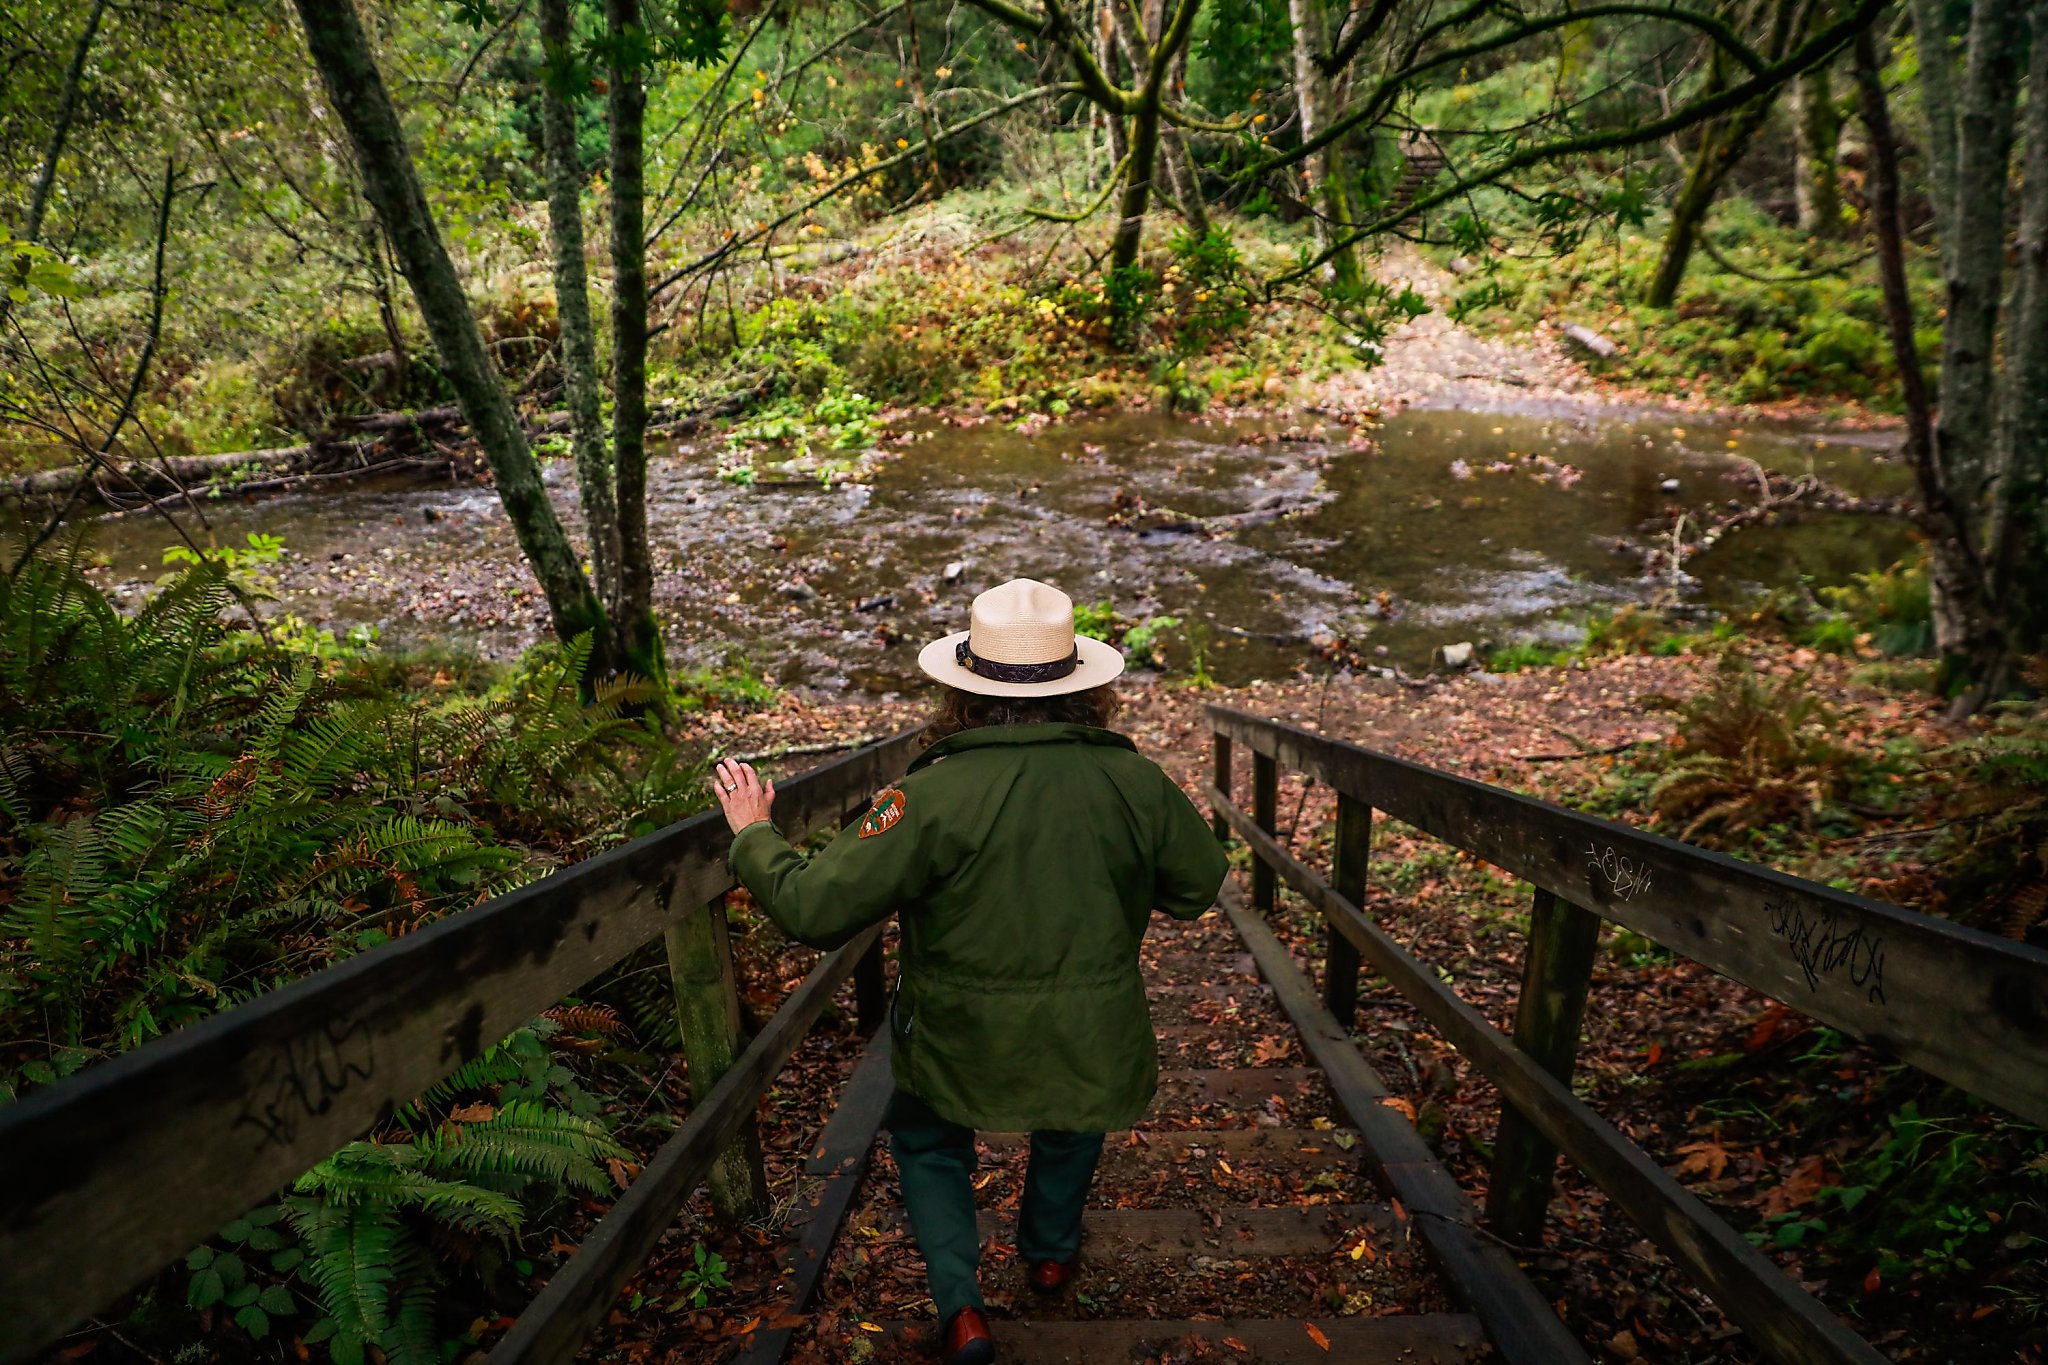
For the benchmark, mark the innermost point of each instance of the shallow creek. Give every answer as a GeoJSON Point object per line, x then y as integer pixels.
{"type": "Point", "coordinates": [1400, 544]}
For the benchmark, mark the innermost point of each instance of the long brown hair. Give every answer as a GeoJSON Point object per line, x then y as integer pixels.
{"type": "Point", "coordinates": [959, 710]}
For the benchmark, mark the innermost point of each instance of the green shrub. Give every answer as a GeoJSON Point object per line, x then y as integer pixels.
{"type": "Point", "coordinates": [192, 816]}
{"type": "Point", "coordinates": [1893, 606]}
{"type": "Point", "coordinates": [1993, 853]}
{"type": "Point", "coordinates": [1750, 753]}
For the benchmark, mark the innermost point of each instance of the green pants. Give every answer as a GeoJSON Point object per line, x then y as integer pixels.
{"type": "Point", "coordinates": [935, 1158]}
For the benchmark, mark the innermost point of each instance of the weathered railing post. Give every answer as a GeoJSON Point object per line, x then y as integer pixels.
{"type": "Point", "coordinates": [870, 984]}
{"type": "Point", "coordinates": [1222, 781]}
{"type": "Point", "coordinates": [708, 1008]}
{"type": "Point", "coordinates": [1347, 877]}
{"type": "Point", "coordinates": [1555, 975]}
{"type": "Point", "coordinates": [1266, 815]}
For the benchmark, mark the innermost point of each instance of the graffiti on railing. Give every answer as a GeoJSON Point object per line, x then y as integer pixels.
{"type": "Point", "coordinates": [299, 1079]}
{"type": "Point", "coordinates": [1824, 943]}
{"type": "Point", "coordinates": [1624, 875]}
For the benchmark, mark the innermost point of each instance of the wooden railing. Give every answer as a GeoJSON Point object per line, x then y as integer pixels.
{"type": "Point", "coordinates": [109, 1176]}
{"type": "Point", "coordinates": [1961, 1005]}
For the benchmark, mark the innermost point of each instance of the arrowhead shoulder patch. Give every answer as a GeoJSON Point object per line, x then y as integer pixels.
{"type": "Point", "coordinates": [886, 812]}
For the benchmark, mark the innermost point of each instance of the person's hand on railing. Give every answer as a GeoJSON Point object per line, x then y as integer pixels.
{"type": "Point", "coordinates": [746, 796]}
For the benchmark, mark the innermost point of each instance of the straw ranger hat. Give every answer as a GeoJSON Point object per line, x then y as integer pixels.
{"type": "Point", "coordinates": [1021, 643]}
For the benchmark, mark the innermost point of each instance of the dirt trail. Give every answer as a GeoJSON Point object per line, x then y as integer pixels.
{"type": "Point", "coordinates": [1439, 361]}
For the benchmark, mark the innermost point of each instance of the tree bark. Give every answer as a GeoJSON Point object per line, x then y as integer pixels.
{"type": "Point", "coordinates": [626, 105]}
{"type": "Point", "coordinates": [341, 51]}
{"type": "Point", "coordinates": [2018, 535]}
{"type": "Point", "coordinates": [1323, 173]}
{"type": "Point", "coordinates": [1106, 58]}
{"type": "Point", "coordinates": [1817, 189]}
{"type": "Point", "coordinates": [1938, 101]}
{"type": "Point", "coordinates": [60, 129]}
{"type": "Point", "coordinates": [1721, 147]}
{"type": "Point", "coordinates": [1138, 174]}
{"type": "Point", "coordinates": [935, 180]}
{"type": "Point", "coordinates": [1967, 628]}
{"type": "Point", "coordinates": [1975, 258]}
{"type": "Point", "coordinates": [595, 478]}
{"type": "Point", "coordinates": [1180, 161]}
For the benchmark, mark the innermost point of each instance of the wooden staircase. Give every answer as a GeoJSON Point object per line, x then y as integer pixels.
{"type": "Point", "coordinates": [1250, 1217]}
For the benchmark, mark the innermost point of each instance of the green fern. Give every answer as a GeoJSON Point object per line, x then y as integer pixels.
{"type": "Point", "coordinates": [189, 817]}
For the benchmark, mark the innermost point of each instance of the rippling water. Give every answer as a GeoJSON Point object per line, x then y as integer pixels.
{"type": "Point", "coordinates": [1410, 542]}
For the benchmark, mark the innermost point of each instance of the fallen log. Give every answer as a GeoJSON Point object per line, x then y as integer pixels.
{"type": "Point", "coordinates": [125, 482]}
{"type": "Point", "coordinates": [113, 479]}
{"type": "Point", "coordinates": [1590, 341]}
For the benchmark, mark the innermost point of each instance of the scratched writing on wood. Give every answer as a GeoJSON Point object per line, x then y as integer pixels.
{"type": "Point", "coordinates": [298, 1079]}
{"type": "Point", "coordinates": [1624, 875]}
{"type": "Point", "coordinates": [1823, 943]}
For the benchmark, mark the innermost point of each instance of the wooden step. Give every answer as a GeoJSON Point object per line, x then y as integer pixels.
{"type": "Point", "coordinates": [1223, 968]}
{"type": "Point", "coordinates": [1110, 1235]}
{"type": "Point", "coordinates": [1421, 1339]}
{"type": "Point", "coordinates": [1195, 1144]}
{"type": "Point", "coordinates": [1238, 1082]}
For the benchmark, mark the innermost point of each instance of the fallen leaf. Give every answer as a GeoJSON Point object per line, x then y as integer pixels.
{"type": "Point", "coordinates": [1315, 1334]}
{"type": "Point", "coordinates": [1708, 1158]}
{"type": "Point", "coordinates": [1795, 1189]}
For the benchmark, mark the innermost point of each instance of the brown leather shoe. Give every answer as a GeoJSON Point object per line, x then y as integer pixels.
{"type": "Point", "coordinates": [1050, 1277]}
{"type": "Point", "coordinates": [968, 1340]}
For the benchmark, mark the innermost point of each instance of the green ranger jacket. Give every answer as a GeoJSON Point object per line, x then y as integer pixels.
{"type": "Point", "coordinates": [1025, 862]}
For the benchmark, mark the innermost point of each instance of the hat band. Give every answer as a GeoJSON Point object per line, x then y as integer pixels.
{"type": "Point", "coordinates": [1016, 673]}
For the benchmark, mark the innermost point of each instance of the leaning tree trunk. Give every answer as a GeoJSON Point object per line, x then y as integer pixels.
{"type": "Point", "coordinates": [1816, 188]}
{"type": "Point", "coordinates": [1969, 632]}
{"type": "Point", "coordinates": [626, 105]}
{"type": "Point", "coordinates": [592, 454]}
{"type": "Point", "coordinates": [355, 87]}
{"type": "Point", "coordinates": [60, 127]}
{"type": "Point", "coordinates": [53, 150]}
{"type": "Point", "coordinates": [1721, 148]}
{"type": "Point", "coordinates": [1329, 200]}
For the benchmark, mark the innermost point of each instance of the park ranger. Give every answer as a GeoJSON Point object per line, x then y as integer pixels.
{"type": "Point", "coordinates": [1024, 854]}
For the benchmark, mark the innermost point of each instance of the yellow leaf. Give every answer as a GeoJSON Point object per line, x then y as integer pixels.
{"type": "Point", "coordinates": [870, 1327]}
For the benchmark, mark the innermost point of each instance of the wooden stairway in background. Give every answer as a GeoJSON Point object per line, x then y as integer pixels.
{"type": "Point", "coordinates": [1270, 1205]}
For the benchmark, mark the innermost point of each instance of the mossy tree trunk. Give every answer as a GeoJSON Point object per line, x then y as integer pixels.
{"type": "Point", "coordinates": [595, 479]}
{"type": "Point", "coordinates": [1817, 189]}
{"type": "Point", "coordinates": [626, 108]}
{"type": "Point", "coordinates": [1780, 25]}
{"type": "Point", "coordinates": [1721, 146]}
{"type": "Point", "coordinates": [2018, 533]}
{"type": "Point", "coordinates": [1151, 59]}
{"type": "Point", "coordinates": [355, 87]}
{"type": "Point", "coordinates": [1180, 160]}
{"type": "Point", "coordinates": [1328, 196]}
{"type": "Point", "coordinates": [1969, 621]}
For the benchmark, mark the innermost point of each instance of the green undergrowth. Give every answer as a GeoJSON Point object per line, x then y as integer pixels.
{"type": "Point", "coordinates": [193, 813]}
{"type": "Point", "coordinates": [1883, 617]}
{"type": "Point", "coordinates": [1008, 327]}
{"type": "Point", "coordinates": [1728, 337]}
